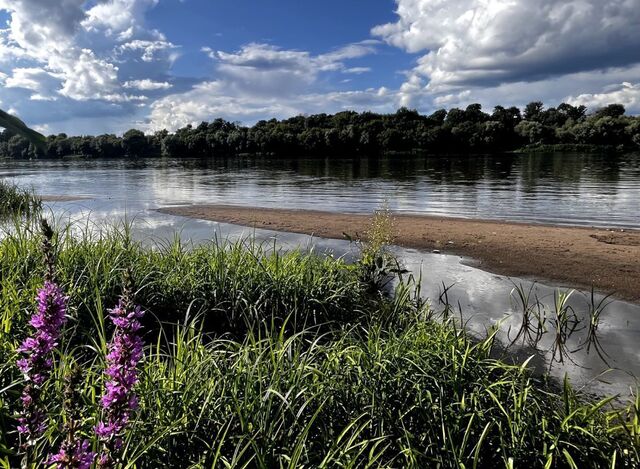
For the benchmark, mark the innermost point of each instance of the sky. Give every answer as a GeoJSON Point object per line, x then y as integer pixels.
{"type": "Point", "coordinates": [104, 66]}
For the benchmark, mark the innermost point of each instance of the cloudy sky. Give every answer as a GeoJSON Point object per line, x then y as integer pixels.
{"type": "Point", "coordinates": [94, 66]}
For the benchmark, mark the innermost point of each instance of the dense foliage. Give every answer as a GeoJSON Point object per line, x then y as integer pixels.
{"type": "Point", "coordinates": [348, 132]}
{"type": "Point", "coordinates": [257, 358]}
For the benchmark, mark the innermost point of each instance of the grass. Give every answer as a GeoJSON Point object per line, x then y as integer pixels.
{"type": "Point", "coordinates": [259, 358]}
{"type": "Point", "coordinates": [15, 200]}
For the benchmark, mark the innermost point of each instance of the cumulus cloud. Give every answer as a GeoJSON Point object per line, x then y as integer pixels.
{"type": "Point", "coordinates": [626, 93]}
{"type": "Point", "coordinates": [487, 42]}
{"type": "Point", "coordinates": [72, 52]}
{"type": "Point", "coordinates": [218, 99]}
{"type": "Point", "coordinates": [33, 78]}
{"type": "Point", "coordinates": [552, 91]}
{"type": "Point", "coordinates": [263, 81]}
{"type": "Point", "coordinates": [117, 17]}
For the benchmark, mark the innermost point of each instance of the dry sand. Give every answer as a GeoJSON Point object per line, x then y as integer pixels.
{"type": "Point", "coordinates": [572, 256]}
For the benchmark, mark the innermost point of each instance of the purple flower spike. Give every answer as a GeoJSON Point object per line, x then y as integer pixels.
{"type": "Point", "coordinates": [36, 361]}
{"type": "Point", "coordinates": [75, 455]}
{"type": "Point", "coordinates": [119, 400]}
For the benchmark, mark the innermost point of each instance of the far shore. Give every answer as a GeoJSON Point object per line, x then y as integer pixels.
{"type": "Point", "coordinates": [607, 260]}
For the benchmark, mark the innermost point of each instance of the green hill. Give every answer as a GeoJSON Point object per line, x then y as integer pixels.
{"type": "Point", "coordinates": [14, 124]}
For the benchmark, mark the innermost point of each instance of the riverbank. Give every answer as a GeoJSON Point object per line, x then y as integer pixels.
{"type": "Point", "coordinates": [574, 256]}
{"type": "Point", "coordinates": [246, 358]}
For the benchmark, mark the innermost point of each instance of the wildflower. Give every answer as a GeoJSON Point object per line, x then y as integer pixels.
{"type": "Point", "coordinates": [36, 362]}
{"type": "Point", "coordinates": [74, 454]}
{"type": "Point", "coordinates": [119, 400]}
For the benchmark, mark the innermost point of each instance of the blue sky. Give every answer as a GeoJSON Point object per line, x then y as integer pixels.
{"type": "Point", "coordinates": [80, 67]}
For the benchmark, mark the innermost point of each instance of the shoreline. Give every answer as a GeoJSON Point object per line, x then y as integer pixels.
{"type": "Point", "coordinates": [580, 257]}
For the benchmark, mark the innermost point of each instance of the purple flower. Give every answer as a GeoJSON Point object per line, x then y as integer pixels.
{"type": "Point", "coordinates": [73, 455]}
{"type": "Point", "coordinates": [36, 362]}
{"type": "Point", "coordinates": [124, 353]}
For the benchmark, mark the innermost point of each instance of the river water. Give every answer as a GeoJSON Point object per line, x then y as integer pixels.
{"type": "Point", "coordinates": [585, 190]}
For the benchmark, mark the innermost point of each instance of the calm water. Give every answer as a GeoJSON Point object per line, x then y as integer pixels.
{"type": "Point", "coordinates": [571, 189]}
{"type": "Point", "coordinates": [602, 190]}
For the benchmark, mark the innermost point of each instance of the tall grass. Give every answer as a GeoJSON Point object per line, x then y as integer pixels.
{"type": "Point", "coordinates": [232, 285]}
{"type": "Point", "coordinates": [258, 358]}
{"type": "Point", "coordinates": [15, 200]}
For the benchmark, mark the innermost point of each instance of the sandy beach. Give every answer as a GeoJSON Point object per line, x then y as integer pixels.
{"type": "Point", "coordinates": [608, 260]}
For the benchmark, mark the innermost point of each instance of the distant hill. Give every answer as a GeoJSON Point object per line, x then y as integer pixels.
{"type": "Point", "coordinates": [14, 124]}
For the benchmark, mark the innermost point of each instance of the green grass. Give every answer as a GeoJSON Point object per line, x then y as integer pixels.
{"type": "Point", "coordinates": [258, 358]}
{"type": "Point", "coordinates": [17, 201]}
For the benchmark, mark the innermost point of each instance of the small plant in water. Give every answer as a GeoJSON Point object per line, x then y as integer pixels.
{"type": "Point", "coordinates": [595, 312]}
{"type": "Point", "coordinates": [533, 324]}
{"type": "Point", "coordinates": [377, 263]}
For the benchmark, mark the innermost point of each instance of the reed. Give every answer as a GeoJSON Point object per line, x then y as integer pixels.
{"type": "Point", "coordinates": [17, 201]}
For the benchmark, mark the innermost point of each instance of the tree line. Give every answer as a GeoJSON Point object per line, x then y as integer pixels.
{"type": "Point", "coordinates": [469, 130]}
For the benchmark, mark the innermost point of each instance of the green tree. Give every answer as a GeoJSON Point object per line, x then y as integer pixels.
{"type": "Point", "coordinates": [134, 143]}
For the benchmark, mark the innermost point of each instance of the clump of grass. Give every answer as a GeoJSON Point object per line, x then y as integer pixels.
{"type": "Point", "coordinates": [15, 200]}
{"type": "Point", "coordinates": [377, 265]}
{"type": "Point", "coordinates": [379, 236]}
{"type": "Point", "coordinates": [258, 358]}
{"type": "Point", "coordinates": [233, 285]}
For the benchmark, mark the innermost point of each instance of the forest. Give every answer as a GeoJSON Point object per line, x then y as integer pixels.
{"type": "Point", "coordinates": [456, 131]}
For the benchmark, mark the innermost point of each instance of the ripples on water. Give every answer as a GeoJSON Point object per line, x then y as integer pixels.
{"type": "Point", "coordinates": [599, 190]}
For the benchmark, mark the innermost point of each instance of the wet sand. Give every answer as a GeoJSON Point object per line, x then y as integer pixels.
{"type": "Point", "coordinates": [62, 198]}
{"type": "Point", "coordinates": [572, 256]}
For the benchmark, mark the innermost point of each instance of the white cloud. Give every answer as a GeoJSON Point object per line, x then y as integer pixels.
{"type": "Point", "coordinates": [117, 17]}
{"type": "Point", "coordinates": [70, 51]}
{"type": "Point", "coordinates": [33, 78]}
{"type": "Point", "coordinates": [86, 76]}
{"type": "Point", "coordinates": [626, 93]}
{"type": "Point", "coordinates": [210, 100]}
{"type": "Point", "coordinates": [487, 42]}
{"type": "Point", "coordinates": [264, 81]}
{"type": "Point", "coordinates": [149, 49]}
{"type": "Point", "coordinates": [573, 88]}
{"type": "Point", "coordinates": [357, 70]}
{"type": "Point", "coordinates": [147, 85]}
{"type": "Point", "coordinates": [267, 62]}
{"type": "Point", "coordinates": [42, 28]}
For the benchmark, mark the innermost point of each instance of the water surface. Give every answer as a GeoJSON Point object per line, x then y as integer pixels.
{"type": "Point", "coordinates": [591, 190]}
{"type": "Point", "coordinates": [568, 189]}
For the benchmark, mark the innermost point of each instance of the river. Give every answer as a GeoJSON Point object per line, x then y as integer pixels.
{"type": "Point", "coordinates": [583, 190]}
